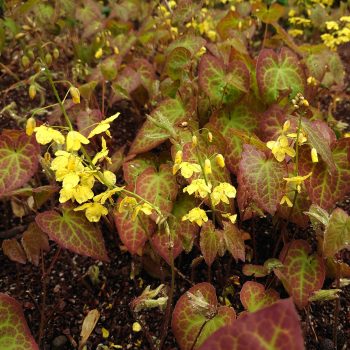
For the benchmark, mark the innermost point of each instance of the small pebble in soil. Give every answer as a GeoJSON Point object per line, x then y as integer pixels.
{"type": "Point", "coordinates": [59, 342]}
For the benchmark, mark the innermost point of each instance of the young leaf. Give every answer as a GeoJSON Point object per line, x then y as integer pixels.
{"type": "Point", "coordinates": [133, 233]}
{"type": "Point", "coordinates": [209, 242]}
{"type": "Point", "coordinates": [14, 251]}
{"type": "Point", "coordinates": [254, 297]}
{"type": "Point", "coordinates": [154, 132]}
{"type": "Point", "coordinates": [275, 327]}
{"type": "Point", "coordinates": [19, 158]}
{"type": "Point", "coordinates": [279, 72]}
{"type": "Point", "coordinates": [337, 234]}
{"type": "Point", "coordinates": [270, 14]}
{"type": "Point", "coordinates": [325, 189]}
{"type": "Point", "coordinates": [302, 273]}
{"type": "Point", "coordinates": [14, 331]}
{"type": "Point", "coordinates": [220, 84]}
{"type": "Point", "coordinates": [262, 177]}
{"type": "Point", "coordinates": [238, 117]}
{"type": "Point", "coordinates": [71, 230]}
{"type": "Point", "coordinates": [197, 315]}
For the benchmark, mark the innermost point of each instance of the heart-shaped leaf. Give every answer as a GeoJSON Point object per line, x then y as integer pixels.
{"type": "Point", "coordinates": [275, 327]}
{"type": "Point", "coordinates": [254, 297]}
{"type": "Point", "coordinates": [279, 72]}
{"type": "Point", "coordinates": [323, 188]}
{"type": "Point", "coordinates": [19, 158]}
{"type": "Point", "coordinates": [14, 251]}
{"type": "Point", "coordinates": [209, 242]}
{"type": "Point", "coordinates": [232, 239]}
{"type": "Point", "coordinates": [71, 230]}
{"type": "Point", "coordinates": [239, 117]}
{"type": "Point", "coordinates": [302, 273]}
{"type": "Point", "coordinates": [14, 331]}
{"type": "Point", "coordinates": [177, 62]}
{"type": "Point", "coordinates": [337, 234]}
{"type": "Point", "coordinates": [86, 120]}
{"type": "Point", "coordinates": [152, 133]}
{"type": "Point", "coordinates": [221, 84]}
{"type": "Point", "coordinates": [197, 315]}
{"type": "Point", "coordinates": [262, 177]}
{"type": "Point", "coordinates": [135, 167]}
{"type": "Point", "coordinates": [269, 14]}
{"type": "Point", "coordinates": [190, 42]}
{"type": "Point", "coordinates": [162, 243]}
{"type": "Point", "coordinates": [271, 123]}
{"type": "Point", "coordinates": [127, 81]}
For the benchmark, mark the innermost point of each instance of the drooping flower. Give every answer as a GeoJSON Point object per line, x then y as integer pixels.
{"type": "Point", "coordinates": [285, 199]}
{"type": "Point", "coordinates": [74, 141]}
{"type": "Point", "coordinates": [280, 148]}
{"type": "Point", "coordinates": [220, 160]}
{"type": "Point", "coordinates": [231, 217]}
{"type": "Point", "coordinates": [103, 126]}
{"type": "Point", "coordinates": [297, 180]}
{"type": "Point", "coordinates": [314, 156]}
{"type": "Point", "coordinates": [199, 188]}
{"type": "Point", "coordinates": [30, 126]}
{"type": "Point", "coordinates": [196, 215]}
{"type": "Point", "coordinates": [187, 169]}
{"type": "Point", "coordinates": [93, 211]}
{"type": "Point", "coordinates": [207, 167]}
{"type": "Point", "coordinates": [102, 197]}
{"type": "Point", "coordinates": [45, 135]}
{"type": "Point", "coordinates": [222, 192]}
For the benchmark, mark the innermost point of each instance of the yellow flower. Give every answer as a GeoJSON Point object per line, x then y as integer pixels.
{"type": "Point", "coordinates": [110, 177]}
{"type": "Point", "coordinates": [220, 160]}
{"type": "Point", "coordinates": [297, 180]}
{"type": "Point", "coordinates": [103, 154]}
{"type": "Point", "coordinates": [207, 167]}
{"type": "Point", "coordinates": [314, 156]}
{"type": "Point", "coordinates": [285, 199]}
{"type": "Point", "coordinates": [231, 217]}
{"type": "Point", "coordinates": [75, 93]}
{"type": "Point", "coordinates": [280, 148]}
{"type": "Point", "coordinates": [332, 25]}
{"type": "Point", "coordinates": [45, 135]}
{"type": "Point", "coordinates": [102, 197]}
{"type": "Point", "coordinates": [144, 208]}
{"type": "Point", "coordinates": [130, 205]}
{"type": "Point", "coordinates": [302, 137]}
{"type": "Point", "coordinates": [93, 211]}
{"type": "Point", "coordinates": [194, 140]}
{"type": "Point", "coordinates": [30, 126]}
{"type": "Point", "coordinates": [74, 141]}
{"type": "Point", "coordinates": [312, 81]}
{"type": "Point", "coordinates": [199, 187]}
{"type": "Point", "coordinates": [223, 192]}
{"type": "Point", "coordinates": [178, 157]}
{"type": "Point", "coordinates": [99, 53]}
{"type": "Point", "coordinates": [82, 193]}
{"type": "Point", "coordinates": [345, 19]}
{"type": "Point", "coordinates": [103, 126]}
{"type": "Point", "coordinates": [210, 137]}
{"type": "Point", "coordinates": [67, 165]}
{"type": "Point", "coordinates": [187, 169]}
{"type": "Point", "coordinates": [196, 215]}
{"type": "Point", "coordinates": [295, 32]}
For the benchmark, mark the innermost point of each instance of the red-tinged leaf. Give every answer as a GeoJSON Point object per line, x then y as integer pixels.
{"type": "Point", "coordinates": [177, 63]}
{"type": "Point", "coordinates": [271, 123]}
{"type": "Point", "coordinates": [233, 21]}
{"type": "Point", "coordinates": [190, 42]}
{"type": "Point", "coordinates": [158, 187]}
{"type": "Point", "coordinates": [14, 251]}
{"type": "Point", "coordinates": [263, 178]}
{"type": "Point", "coordinates": [147, 75]}
{"type": "Point", "coordinates": [34, 240]}
{"type": "Point", "coordinates": [318, 140]}
{"type": "Point", "coordinates": [137, 166]}
{"type": "Point", "coordinates": [162, 244]}
{"type": "Point", "coordinates": [87, 120]}
{"type": "Point", "coordinates": [168, 114]}
{"type": "Point", "coordinates": [14, 331]}
{"type": "Point", "coordinates": [337, 234]}
{"type": "Point", "coordinates": [117, 159]}
{"type": "Point", "coordinates": [194, 321]}
{"type": "Point", "coordinates": [19, 158]}
{"type": "Point", "coordinates": [132, 232]}
{"type": "Point", "coordinates": [209, 242]}
{"type": "Point", "coordinates": [254, 297]}
{"type": "Point", "coordinates": [71, 230]}
{"type": "Point", "coordinates": [326, 189]}
{"type": "Point", "coordinates": [233, 241]}
{"type": "Point", "coordinates": [221, 84]}
{"type": "Point", "coordinates": [302, 273]}
{"type": "Point", "coordinates": [279, 72]}
{"type": "Point", "coordinates": [239, 117]}
{"type": "Point", "coordinates": [127, 81]}
{"type": "Point", "coordinates": [276, 327]}
{"type": "Point", "coordinates": [269, 14]}
{"type": "Point", "coordinates": [255, 270]}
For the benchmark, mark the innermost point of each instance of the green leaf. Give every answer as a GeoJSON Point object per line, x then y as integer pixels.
{"type": "Point", "coordinates": [177, 63]}
{"type": "Point", "coordinates": [166, 117]}
{"type": "Point", "coordinates": [19, 158]}
{"type": "Point", "coordinates": [14, 331]}
{"type": "Point", "coordinates": [254, 297]}
{"type": "Point", "coordinates": [209, 242]}
{"type": "Point", "coordinates": [221, 84]}
{"type": "Point", "coordinates": [324, 188]}
{"type": "Point", "coordinates": [275, 327]}
{"type": "Point", "coordinates": [239, 117]}
{"type": "Point", "coordinates": [270, 14]}
{"type": "Point", "coordinates": [317, 140]}
{"type": "Point", "coordinates": [262, 178]}
{"type": "Point", "coordinates": [197, 315]}
{"type": "Point", "coordinates": [279, 72]}
{"type": "Point", "coordinates": [71, 230]}
{"type": "Point", "coordinates": [158, 187]}
{"type": "Point", "coordinates": [127, 81]}
{"type": "Point", "coordinates": [302, 274]}
{"type": "Point", "coordinates": [337, 234]}
{"type": "Point", "coordinates": [137, 166]}
{"type": "Point", "coordinates": [190, 42]}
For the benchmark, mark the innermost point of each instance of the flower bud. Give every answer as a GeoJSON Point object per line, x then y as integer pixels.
{"type": "Point", "coordinates": [210, 136]}
{"type": "Point", "coordinates": [314, 156]}
{"type": "Point", "coordinates": [25, 61]}
{"type": "Point", "coordinates": [30, 126]}
{"type": "Point", "coordinates": [56, 53]}
{"type": "Point", "coordinates": [30, 54]}
{"type": "Point", "coordinates": [75, 93]}
{"type": "Point", "coordinates": [194, 140]}
{"type": "Point", "coordinates": [116, 50]}
{"type": "Point", "coordinates": [207, 167]}
{"type": "Point", "coordinates": [48, 59]}
{"type": "Point", "coordinates": [178, 157]}
{"type": "Point", "coordinates": [220, 160]}
{"type": "Point", "coordinates": [99, 53]}
{"type": "Point", "coordinates": [32, 91]}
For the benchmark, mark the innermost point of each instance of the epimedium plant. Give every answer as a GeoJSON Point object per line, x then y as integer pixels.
{"type": "Point", "coordinates": [232, 133]}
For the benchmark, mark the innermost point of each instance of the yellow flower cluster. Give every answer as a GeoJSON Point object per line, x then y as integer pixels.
{"type": "Point", "coordinates": [76, 173]}
{"type": "Point", "coordinates": [338, 32]}
{"type": "Point", "coordinates": [205, 25]}
{"type": "Point", "coordinates": [201, 187]}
